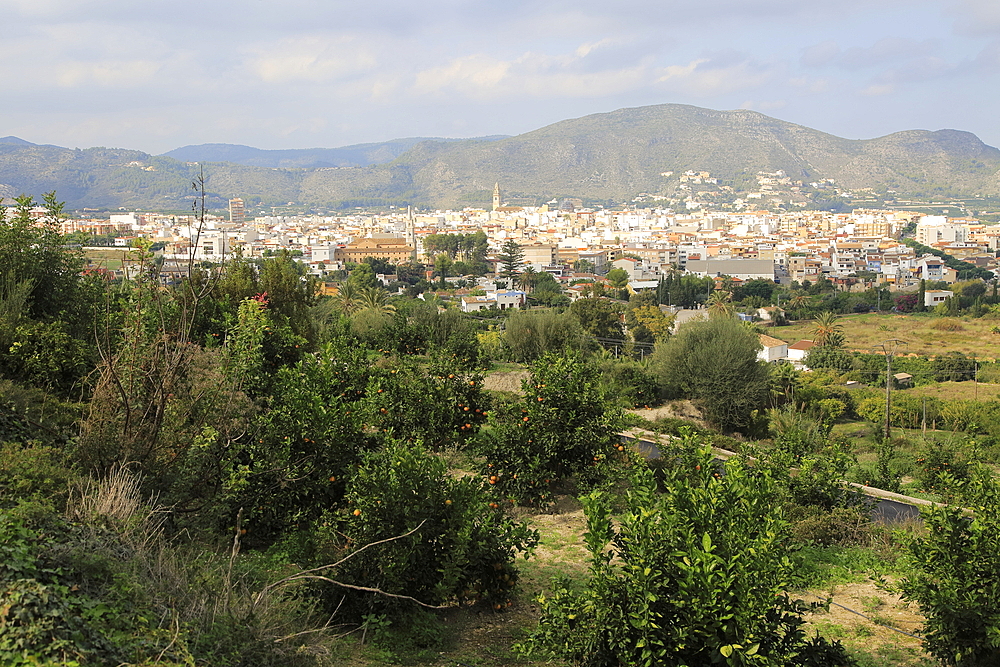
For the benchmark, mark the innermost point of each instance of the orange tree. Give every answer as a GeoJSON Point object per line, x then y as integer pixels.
{"type": "Point", "coordinates": [955, 576]}
{"type": "Point", "coordinates": [695, 575]}
{"type": "Point", "coordinates": [563, 427]}
{"type": "Point", "coordinates": [462, 546]}
{"type": "Point", "coordinates": [305, 446]}
{"type": "Point", "coordinates": [439, 406]}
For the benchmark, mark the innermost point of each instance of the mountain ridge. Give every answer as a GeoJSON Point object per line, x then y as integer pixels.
{"type": "Point", "coordinates": [611, 156]}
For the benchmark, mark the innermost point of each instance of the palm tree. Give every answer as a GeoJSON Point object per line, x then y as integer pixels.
{"type": "Point", "coordinates": [797, 303]}
{"type": "Point", "coordinates": [377, 299]}
{"type": "Point", "coordinates": [347, 297]}
{"type": "Point", "coordinates": [826, 331]}
{"type": "Point", "coordinates": [719, 304]}
{"type": "Point", "coordinates": [783, 381]}
{"type": "Point", "coordinates": [528, 279]}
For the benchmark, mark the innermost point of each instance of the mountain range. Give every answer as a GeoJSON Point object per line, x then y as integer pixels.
{"type": "Point", "coordinates": [607, 157]}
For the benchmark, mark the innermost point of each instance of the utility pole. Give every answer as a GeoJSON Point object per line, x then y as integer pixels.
{"type": "Point", "coordinates": [889, 347]}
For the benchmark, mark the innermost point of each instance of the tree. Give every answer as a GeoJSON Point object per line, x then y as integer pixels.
{"type": "Point", "coordinates": [599, 317]}
{"type": "Point", "coordinates": [720, 304]}
{"type": "Point", "coordinates": [955, 578]}
{"type": "Point", "coordinates": [528, 279]}
{"type": "Point", "coordinates": [363, 276]}
{"type": "Point", "coordinates": [376, 299]}
{"type": "Point", "coordinates": [458, 544]}
{"type": "Point", "coordinates": [511, 260]}
{"type": "Point", "coordinates": [714, 362]}
{"type": "Point", "coordinates": [443, 265]}
{"type": "Point", "coordinates": [826, 331]}
{"type": "Point", "coordinates": [649, 323]}
{"type": "Point", "coordinates": [695, 575]}
{"type": "Point", "coordinates": [562, 427]}
{"type": "Point", "coordinates": [529, 334]}
{"type": "Point", "coordinates": [618, 278]}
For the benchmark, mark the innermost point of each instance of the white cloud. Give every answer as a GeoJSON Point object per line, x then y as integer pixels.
{"type": "Point", "coordinates": [878, 90]}
{"type": "Point", "coordinates": [314, 59]}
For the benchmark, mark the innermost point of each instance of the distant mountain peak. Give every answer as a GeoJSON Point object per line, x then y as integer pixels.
{"type": "Point", "coordinates": [16, 141]}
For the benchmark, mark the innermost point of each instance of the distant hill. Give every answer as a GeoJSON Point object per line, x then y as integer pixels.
{"type": "Point", "coordinates": [609, 157]}
{"type": "Point", "coordinates": [15, 141]}
{"type": "Point", "coordinates": [358, 155]}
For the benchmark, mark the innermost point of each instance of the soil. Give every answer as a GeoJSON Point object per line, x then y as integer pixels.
{"type": "Point", "coordinates": [509, 381]}
{"type": "Point", "coordinates": [882, 608]}
{"type": "Point", "coordinates": [681, 409]}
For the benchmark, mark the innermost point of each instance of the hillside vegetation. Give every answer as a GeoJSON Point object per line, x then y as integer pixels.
{"type": "Point", "coordinates": [604, 157]}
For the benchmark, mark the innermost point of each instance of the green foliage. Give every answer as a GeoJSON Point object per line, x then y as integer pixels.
{"type": "Point", "coordinates": [694, 576]}
{"type": "Point", "coordinates": [943, 467]}
{"type": "Point", "coordinates": [530, 334]}
{"type": "Point", "coordinates": [955, 579]}
{"type": "Point", "coordinates": [631, 382]}
{"type": "Point", "coordinates": [33, 474]}
{"type": "Point", "coordinates": [562, 427]}
{"type": "Point", "coordinates": [714, 363]}
{"type": "Point", "coordinates": [599, 316]}
{"type": "Point", "coordinates": [511, 258]}
{"type": "Point", "coordinates": [453, 540]}
{"type": "Point", "coordinates": [617, 278]}
{"type": "Point", "coordinates": [440, 407]}
{"type": "Point", "coordinates": [953, 367]}
{"type": "Point", "coordinates": [307, 446]}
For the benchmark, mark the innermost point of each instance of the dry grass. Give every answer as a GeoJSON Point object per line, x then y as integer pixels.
{"type": "Point", "coordinates": [959, 390]}
{"type": "Point", "coordinates": [923, 333]}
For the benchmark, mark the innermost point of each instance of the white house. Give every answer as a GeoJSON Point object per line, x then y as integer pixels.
{"type": "Point", "coordinates": [933, 297]}
{"type": "Point", "coordinates": [798, 350]}
{"type": "Point", "coordinates": [773, 349]}
{"type": "Point", "coordinates": [501, 299]}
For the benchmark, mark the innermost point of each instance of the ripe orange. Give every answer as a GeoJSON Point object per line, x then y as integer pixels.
{"type": "Point", "coordinates": [447, 502]}
{"type": "Point", "coordinates": [357, 512]}
{"type": "Point", "coordinates": [333, 479]}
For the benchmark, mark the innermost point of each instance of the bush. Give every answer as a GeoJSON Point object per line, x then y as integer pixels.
{"type": "Point", "coordinates": [562, 427]}
{"type": "Point", "coordinates": [694, 576]}
{"type": "Point", "coordinates": [631, 382]}
{"type": "Point", "coordinates": [715, 364]}
{"type": "Point", "coordinates": [530, 334]}
{"type": "Point", "coordinates": [955, 579]}
{"type": "Point", "coordinates": [458, 543]}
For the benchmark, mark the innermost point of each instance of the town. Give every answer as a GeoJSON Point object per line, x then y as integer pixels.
{"type": "Point", "coordinates": [855, 251]}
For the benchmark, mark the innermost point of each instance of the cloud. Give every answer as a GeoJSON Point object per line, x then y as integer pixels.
{"type": "Point", "coordinates": [107, 74]}
{"type": "Point", "coordinates": [310, 58]}
{"type": "Point", "coordinates": [976, 17]}
{"type": "Point", "coordinates": [820, 55]}
{"type": "Point", "coordinates": [883, 51]}
{"type": "Point", "coordinates": [878, 90]}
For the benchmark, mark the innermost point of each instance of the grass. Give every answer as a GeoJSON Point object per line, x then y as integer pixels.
{"type": "Point", "coordinates": [923, 333]}
{"type": "Point", "coordinates": [969, 391]}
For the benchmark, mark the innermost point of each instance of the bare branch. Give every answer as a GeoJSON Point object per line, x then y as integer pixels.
{"type": "Point", "coordinates": [308, 574]}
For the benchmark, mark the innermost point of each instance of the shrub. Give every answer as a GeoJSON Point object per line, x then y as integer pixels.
{"type": "Point", "coordinates": [955, 579]}
{"type": "Point", "coordinates": [458, 544]}
{"type": "Point", "coordinates": [562, 427]}
{"type": "Point", "coordinates": [694, 576]}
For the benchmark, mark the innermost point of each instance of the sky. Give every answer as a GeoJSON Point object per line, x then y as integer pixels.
{"type": "Point", "coordinates": [157, 75]}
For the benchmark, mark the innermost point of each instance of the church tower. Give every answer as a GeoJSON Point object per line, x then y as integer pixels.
{"type": "Point", "coordinates": [496, 196]}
